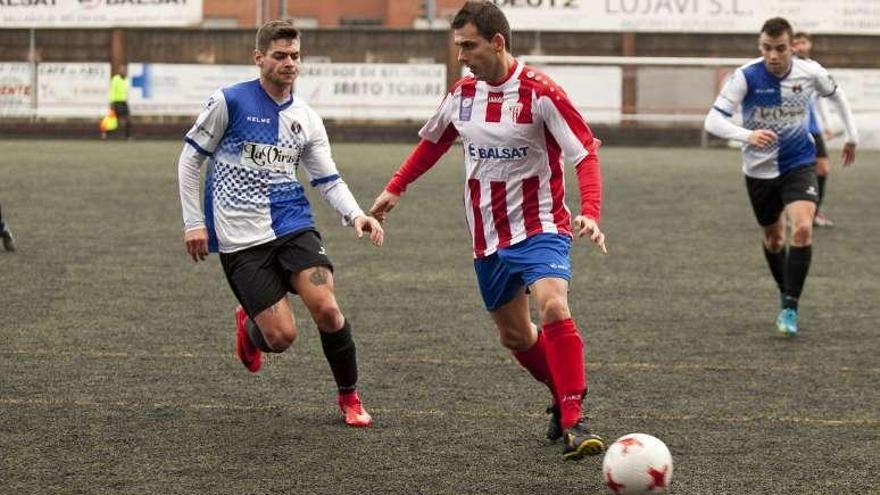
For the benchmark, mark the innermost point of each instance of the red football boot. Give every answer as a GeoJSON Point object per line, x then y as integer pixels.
{"type": "Point", "coordinates": [353, 410]}
{"type": "Point", "coordinates": [247, 352]}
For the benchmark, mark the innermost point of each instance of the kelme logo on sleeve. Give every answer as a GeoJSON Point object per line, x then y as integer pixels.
{"type": "Point", "coordinates": [269, 157]}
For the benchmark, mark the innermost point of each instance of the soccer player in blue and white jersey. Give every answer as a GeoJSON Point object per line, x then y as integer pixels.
{"type": "Point", "coordinates": [779, 155]}
{"type": "Point", "coordinates": [254, 136]}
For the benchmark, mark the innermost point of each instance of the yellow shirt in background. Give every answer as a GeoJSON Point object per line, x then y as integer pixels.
{"type": "Point", "coordinates": [118, 89]}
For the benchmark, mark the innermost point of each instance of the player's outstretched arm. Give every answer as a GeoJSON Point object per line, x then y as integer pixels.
{"type": "Point", "coordinates": [383, 204]}
{"type": "Point", "coordinates": [584, 225]}
{"type": "Point", "coordinates": [364, 223]}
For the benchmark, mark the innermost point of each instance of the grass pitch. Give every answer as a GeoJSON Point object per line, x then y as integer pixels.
{"type": "Point", "coordinates": [117, 372]}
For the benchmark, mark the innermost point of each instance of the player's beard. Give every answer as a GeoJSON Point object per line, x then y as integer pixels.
{"type": "Point", "coordinates": [282, 80]}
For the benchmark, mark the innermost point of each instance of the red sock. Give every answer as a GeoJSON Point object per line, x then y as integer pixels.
{"type": "Point", "coordinates": [534, 359]}
{"type": "Point", "coordinates": [565, 357]}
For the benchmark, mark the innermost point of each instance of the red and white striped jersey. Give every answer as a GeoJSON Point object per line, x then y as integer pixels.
{"type": "Point", "coordinates": [514, 135]}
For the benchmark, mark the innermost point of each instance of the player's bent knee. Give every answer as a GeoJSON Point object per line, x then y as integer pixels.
{"type": "Point", "coordinates": [280, 338]}
{"type": "Point", "coordinates": [555, 309]}
{"type": "Point", "coordinates": [515, 341]}
{"type": "Point", "coordinates": [774, 242]}
{"type": "Point", "coordinates": [801, 235]}
{"type": "Point", "coordinates": [328, 317]}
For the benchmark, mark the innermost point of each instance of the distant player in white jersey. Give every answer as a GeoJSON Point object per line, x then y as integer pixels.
{"type": "Point", "coordinates": [779, 154]}
{"type": "Point", "coordinates": [254, 136]}
{"type": "Point", "coordinates": [819, 128]}
{"type": "Point", "coordinates": [515, 125]}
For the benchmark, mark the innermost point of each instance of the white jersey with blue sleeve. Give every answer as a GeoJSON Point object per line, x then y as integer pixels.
{"type": "Point", "coordinates": [781, 104]}
{"type": "Point", "coordinates": [254, 146]}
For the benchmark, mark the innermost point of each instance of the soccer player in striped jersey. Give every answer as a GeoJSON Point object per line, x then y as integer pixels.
{"type": "Point", "coordinates": [515, 125]}
{"type": "Point", "coordinates": [254, 136]}
{"type": "Point", "coordinates": [779, 155]}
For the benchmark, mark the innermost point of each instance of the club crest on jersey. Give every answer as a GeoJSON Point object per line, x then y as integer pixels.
{"type": "Point", "coordinates": [296, 128]}
{"type": "Point", "coordinates": [797, 88]}
{"type": "Point", "coordinates": [465, 108]}
{"type": "Point", "coordinates": [515, 109]}
{"type": "Point", "coordinates": [269, 157]}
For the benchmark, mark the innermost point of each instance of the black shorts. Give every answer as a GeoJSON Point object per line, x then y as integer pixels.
{"type": "Point", "coordinates": [821, 151]}
{"type": "Point", "coordinates": [260, 276]}
{"type": "Point", "coordinates": [120, 108]}
{"type": "Point", "coordinates": [770, 196]}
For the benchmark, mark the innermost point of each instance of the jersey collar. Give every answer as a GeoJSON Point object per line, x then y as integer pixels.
{"type": "Point", "coordinates": [512, 74]}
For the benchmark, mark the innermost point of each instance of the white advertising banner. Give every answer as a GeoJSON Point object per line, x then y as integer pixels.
{"type": "Point", "coordinates": [99, 13]}
{"type": "Point", "coordinates": [862, 89]}
{"type": "Point", "coordinates": [373, 91]}
{"type": "Point", "coordinates": [596, 91]}
{"type": "Point", "coordinates": [336, 91]}
{"type": "Point", "coordinates": [72, 89]}
{"type": "Point", "coordinates": [180, 89]}
{"type": "Point", "coordinates": [692, 16]}
{"type": "Point", "coordinates": [16, 89]}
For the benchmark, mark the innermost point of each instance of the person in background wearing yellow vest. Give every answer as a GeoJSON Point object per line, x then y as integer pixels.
{"type": "Point", "coordinates": [119, 100]}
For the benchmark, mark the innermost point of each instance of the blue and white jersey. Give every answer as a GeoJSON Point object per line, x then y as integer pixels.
{"type": "Point", "coordinates": [254, 147]}
{"type": "Point", "coordinates": [781, 104]}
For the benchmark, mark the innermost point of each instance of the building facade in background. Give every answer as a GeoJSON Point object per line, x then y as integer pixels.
{"type": "Point", "coordinates": [404, 14]}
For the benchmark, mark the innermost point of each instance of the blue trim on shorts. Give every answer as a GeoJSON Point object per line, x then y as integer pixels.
{"type": "Point", "coordinates": [505, 272]}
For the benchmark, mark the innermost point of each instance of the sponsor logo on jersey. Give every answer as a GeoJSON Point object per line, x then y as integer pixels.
{"type": "Point", "coordinates": [780, 115]}
{"type": "Point", "coordinates": [765, 91]}
{"type": "Point", "coordinates": [496, 99]}
{"type": "Point", "coordinates": [258, 120]}
{"type": "Point", "coordinates": [465, 108]}
{"type": "Point", "coordinates": [269, 157]}
{"type": "Point", "coordinates": [812, 191]}
{"type": "Point", "coordinates": [497, 152]}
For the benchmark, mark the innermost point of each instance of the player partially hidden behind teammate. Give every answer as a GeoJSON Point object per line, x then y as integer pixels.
{"type": "Point", "coordinates": [6, 234]}
{"type": "Point", "coordinates": [819, 127]}
{"type": "Point", "coordinates": [515, 124]}
{"type": "Point", "coordinates": [779, 156]}
{"type": "Point", "coordinates": [254, 135]}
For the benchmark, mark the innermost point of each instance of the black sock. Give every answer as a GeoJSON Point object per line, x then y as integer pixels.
{"type": "Point", "coordinates": [796, 267]}
{"type": "Point", "coordinates": [339, 349]}
{"type": "Point", "coordinates": [256, 336]}
{"type": "Point", "coordinates": [821, 179]}
{"type": "Point", "coordinates": [777, 266]}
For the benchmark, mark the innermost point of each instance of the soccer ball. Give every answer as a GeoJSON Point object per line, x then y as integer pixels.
{"type": "Point", "coordinates": [637, 464]}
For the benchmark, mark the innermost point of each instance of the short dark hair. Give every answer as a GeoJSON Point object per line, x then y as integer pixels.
{"type": "Point", "coordinates": [802, 35]}
{"type": "Point", "coordinates": [275, 30]}
{"type": "Point", "coordinates": [776, 27]}
{"type": "Point", "coordinates": [488, 19]}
